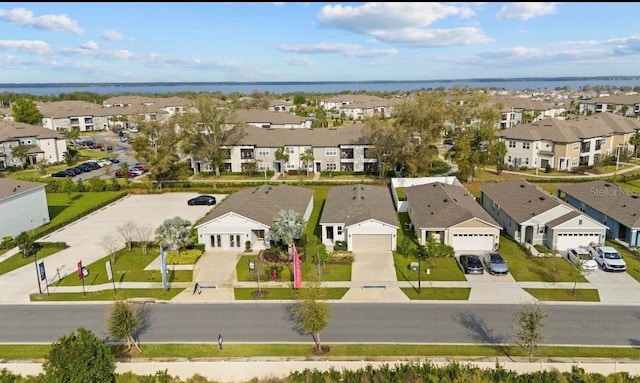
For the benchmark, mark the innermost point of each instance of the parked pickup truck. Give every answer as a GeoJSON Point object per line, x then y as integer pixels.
{"type": "Point", "coordinates": [608, 258]}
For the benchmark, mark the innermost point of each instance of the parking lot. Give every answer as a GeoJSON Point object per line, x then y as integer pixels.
{"type": "Point", "coordinates": [85, 236]}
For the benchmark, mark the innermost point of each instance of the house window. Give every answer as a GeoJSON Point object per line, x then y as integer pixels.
{"type": "Point", "coordinates": [526, 161]}
{"type": "Point", "coordinates": [574, 162]}
{"type": "Point", "coordinates": [540, 229]}
{"type": "Point", "coordinates": [331, 152]}
{"type": "Point", "coordinates": [339, 230]}
{"type": "Point", "coordinates": [509, 159]}
{"type": "Point", "coordinates": [576, 146]}
{"type": "Point", "coordinates": [289, 149]}
{"type": "Point", "coordinates": [512, 144]}
{"type": "Point", "coordinates": [526, 145]}
{"type": "Point", "coordinates": [215, 241]}
{"type": "Point", "coordinates": [264, 152]}
{"type": "Point", "coordinates": [234, 240]}
{"type": "Point", "coordinates": [331, 166]}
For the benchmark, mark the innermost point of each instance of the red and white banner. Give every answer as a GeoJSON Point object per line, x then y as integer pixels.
{"type": "Point", "coordinates": [297, 269]}
{"type": "Point", "coordinates": [80, 273]}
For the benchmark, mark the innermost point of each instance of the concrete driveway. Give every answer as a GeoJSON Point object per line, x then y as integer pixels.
{"type": "Point", "coordinates": [85, 236]}
{"type": "Point", "coordinates": [374, 279]}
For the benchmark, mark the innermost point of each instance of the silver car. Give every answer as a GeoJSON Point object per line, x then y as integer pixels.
{"type": "Point", "coordinates": [496, 265]}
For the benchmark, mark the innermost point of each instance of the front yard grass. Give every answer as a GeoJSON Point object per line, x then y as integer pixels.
{"type": "Point", "coordinates": [440, 269]}
{"type": "Point", "coordinates": [107, 295]}
{"type": "Point", "coordinates": [437, 293]}
{"type": "Point", "coordinates": [565, 295]}
{"type": "Point", "coordinates": [283, 293]}
{"type": "Point", "coordinates": [525, 268]}
{"type": "Point", "coordinates": [331, 272]}
{"type": "Point", "coordinates": [128, 267]}
{"type": "Point", "coordinates": [16, 261]}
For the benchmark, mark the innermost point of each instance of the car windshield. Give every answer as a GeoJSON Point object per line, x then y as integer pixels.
{"type": "Point", "coordinates": [584, 256]}
{"type": "Point", "coordinates": [496, 259]}
{"type": "Point", "coordinates": [612, 255]}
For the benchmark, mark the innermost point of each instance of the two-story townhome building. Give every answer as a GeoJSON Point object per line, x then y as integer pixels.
{"type": "Point", "coordinates": [360, 106]}
{"type": "Point", "coordinates": [334, 149]}
{"type": "Point", "coordinates": [565, 144]}
{"type": "Point", "coordinates": [281, 106]}
{"type": "Point", "coordinates": [270, 120]}
{"type": "Point", "coordinates": [42, 144]}
{"type": "Point", "coordinates": [515, 111]}
{"type": "Point", "coordinates": [624, 104]}
{"type": "Point", "coordinates": [68, 115]}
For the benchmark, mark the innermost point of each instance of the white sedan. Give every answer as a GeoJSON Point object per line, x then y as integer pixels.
{"type": "Point", "coordinates": [582, 256]}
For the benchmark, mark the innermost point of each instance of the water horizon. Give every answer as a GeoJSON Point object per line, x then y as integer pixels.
{"type": "Point", "coordinates": [283, 87]}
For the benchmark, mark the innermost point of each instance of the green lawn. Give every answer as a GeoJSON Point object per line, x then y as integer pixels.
{"type": "Point", "coordinates": [525, 268]}
{"type": "Point", "coordinates": [282, 293]}
{"type": "Point", "coordinates": [107, 295]}
{"type": "Point", "coordinates": [439, 269]}
{"type": "Point", "coordinates": [331, 272]}
{"type": "Point", "coordinates": [437, 293]}
{"type": "Point", "coordinates": [129, 267]}
{"type": "Point", "coordinates": [16, 261]}
{"type": "Point", "coordinates": [579, 295]}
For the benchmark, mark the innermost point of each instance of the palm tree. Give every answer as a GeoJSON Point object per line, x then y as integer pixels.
{"type": "Point", "coordinates": [72, 135]}
{"type": "Point", "coordinates": [174, 233]}
{"type": "Point", "coordinates": [283, 157]}
{"type": "Point", "coordinates": [635, 141]}
{"type": "Point", "coordinates": [287, 226]}
{"type": "Point", "coordinates": [307, 158]}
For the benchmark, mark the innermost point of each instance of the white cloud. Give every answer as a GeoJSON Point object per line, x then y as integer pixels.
{"type": "Point", "coordinates": [90, 45]}
{"type": "Point", "coordinates": [319, 48]}
{"type": "Point", "coordinates": [111, 35]}
{"type": "Point", "coordinates": [526, 11]}
{"type": "Point", "coordinates": [33, 46]}
{"type": "Point", "coordinates": [434, 37]}
{"type": "Point", "coordinates": [299, 61]}
{"type": "Point", "coordinates": [24, 17]}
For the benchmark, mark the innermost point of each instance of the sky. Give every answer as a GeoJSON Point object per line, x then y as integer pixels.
{"type": "Point", "coordinates": [275, 42]}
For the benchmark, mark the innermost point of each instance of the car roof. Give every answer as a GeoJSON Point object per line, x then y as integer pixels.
{"type": "Point", "coordinates": [496, 256]}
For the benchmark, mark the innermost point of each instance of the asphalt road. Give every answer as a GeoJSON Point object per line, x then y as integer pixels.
{"type": "Point", "coordinates": [351, 323]}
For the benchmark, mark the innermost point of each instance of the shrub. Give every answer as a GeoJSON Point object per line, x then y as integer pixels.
{"type": "Point", "coordinates": [186, 257]}
{"type": "Point", "coordinates": [340, 246]}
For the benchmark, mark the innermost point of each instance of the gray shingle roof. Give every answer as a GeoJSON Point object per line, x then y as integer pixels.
{"type": "Point", "coordinates": [10, 188]}
{"type": "Point", "coordinates": [520, 199]}
{"type": "Point", "coordinates": [610, 199]}
{"type": "Point", "coordinates": [440, 205]}
{"type": "Point", "coordinates": [316, 137]}
{"type": "Point", "coordinates": [351, 204]}
{"type": "Point", "coordinates": [263, 202]}
{"type": "Point", "coordinates": [249, 116]}
{"type": "Point", "coordinates": [567, 131]}
{"type": "Point", "coordinates": [564, 218]}
{"type": "Point", "coordinates": [12, 130]}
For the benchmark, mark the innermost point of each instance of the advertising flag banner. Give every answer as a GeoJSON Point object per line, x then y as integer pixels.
{"type": "Point", "coordinates": [43, 274]}
{"type": "Point", "coordinates": [109, 271]}
{"type": "Point", "coordinates": [297, 269]}
{"type": "Point", "coordinates": [80, 273]}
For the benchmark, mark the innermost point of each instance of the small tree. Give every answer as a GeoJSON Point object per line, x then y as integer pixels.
{"type": "Point", "coordinates": [530, 325]}
{"type": "Point", "coordinates": [127, 230]}
{"type": "Point", "coordinates": [577, 272]}
{"type": "Point", "coordinates": [174, 233]}
{"type": "Point", "coordinates": [311, 313]}
{"type": "Point", "coordinates": [21, 152]}
{"type": "Point", "coordinates": [143, 235]}
{"type": "Point", "coordinates": [282, 157]}
{"type": "Point", "coordinates": [124, 323]}
{"type": "Point", "coordinates": [79, 358]}
{"type": "Point", "coordinates": [25, 244]}
{"type": "Point", "coordinates": [287, 226]}
{"type": "Point", "coordinates": [110, 244]}
{"type": "Point", "coordinates": [26, 111]}
{"type": "Point", "coordinates": [307, 158]}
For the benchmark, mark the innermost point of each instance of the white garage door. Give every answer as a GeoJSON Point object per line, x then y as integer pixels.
{"type": "Point", "coordinates": [371, 242]}
{"type": "Point", "coordinates": [472, 242]}
{"type": "Point", "coordinates": [566, 240]}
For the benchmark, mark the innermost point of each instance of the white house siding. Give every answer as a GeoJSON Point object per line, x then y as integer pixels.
{"type": "Point", "coordinates": [331, 242]}
{"type": "Point", "coordinates": [230, 225]}
{"type": "Point", "coordinates": [23, 212]}
{"type": "Point", "coordinates": [371, 227]}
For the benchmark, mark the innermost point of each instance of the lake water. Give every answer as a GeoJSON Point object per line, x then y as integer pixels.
{"type": "Point", "coordinates": [315, 87]}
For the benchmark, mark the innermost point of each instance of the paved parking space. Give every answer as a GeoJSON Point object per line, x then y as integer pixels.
{"type": "Point", "coordinates": [615, 287]}
{"type": "Point", "coordinates": [85, 236]}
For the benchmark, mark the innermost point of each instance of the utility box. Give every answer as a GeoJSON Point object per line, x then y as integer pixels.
{"type": "Point", "coordinates": [252, 264]}
{"type": "Point", "coordinates": [414, 266]}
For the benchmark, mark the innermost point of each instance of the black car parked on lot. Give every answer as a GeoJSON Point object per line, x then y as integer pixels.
{"type": "Point", "coordinates": [471, 264]}
{"type": "Point", "coordinates": [202, 200]}
{"type": "Point", "coordinates": [63, 173]}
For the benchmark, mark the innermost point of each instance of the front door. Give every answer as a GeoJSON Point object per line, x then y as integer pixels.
{"type": "Point", "coordinates": [318, 167]}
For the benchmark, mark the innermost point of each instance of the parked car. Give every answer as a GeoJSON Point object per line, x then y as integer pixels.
{"type": "Point", "coordinates": [92, 164]}
{"type": "Point", "coordinates": [136, 171]}
{"type": "Point", "coordinates": [113, 160]}
{"type": "Point", "coordinates": [130, 174]}
{"type": "Point", "coordinates": [97, 145]}
{"type": "Point", "coordinates": [582, 256]}
{"type": "Point", "coordinates": [63, 173]}
{"type": "Point", "coordinates": [202, 200]}
{"type": "Point", "coordinates": [142, 167]}
{"type": "Point", "coordinates": [496, 265]}
{"type": "Point", "coordinates": [471, 264]}
{"type": "Point", "coordinates": [608, 258]}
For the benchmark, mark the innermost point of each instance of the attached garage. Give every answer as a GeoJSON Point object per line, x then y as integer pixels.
{"type": "Point", "coordinates": [371, 242]}
{"type": "Point", "coordinates": [567, 240]}
{"type": "Point", "coordinates": [476, 242]}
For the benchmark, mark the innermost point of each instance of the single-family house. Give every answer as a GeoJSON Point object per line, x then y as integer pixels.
{"type": "Point", "coordinates": [23, 206]}
{"type": "Point", "coordinates": [531, 215]}
{"type": "Point", "coordinates": [616, 208]}
{"type": "Point", "coordinates": [363, 216]}
{"type": "Point", "coordinates": [248, 214]}
{"type": "Point", "coordinates": [42, 144]}
{"type": "Point", "coordinates": [451, 215]}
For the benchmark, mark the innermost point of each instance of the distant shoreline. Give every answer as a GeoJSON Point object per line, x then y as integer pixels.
{"type": "Point", "coordinates": [241, 83]}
